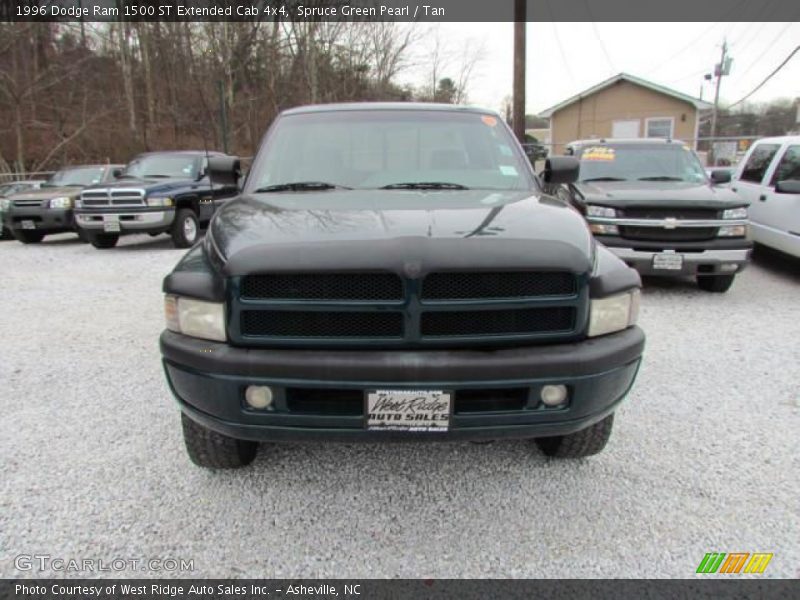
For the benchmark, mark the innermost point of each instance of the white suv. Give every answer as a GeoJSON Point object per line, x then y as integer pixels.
{"type": "Point", "coordinates": [769, 178]}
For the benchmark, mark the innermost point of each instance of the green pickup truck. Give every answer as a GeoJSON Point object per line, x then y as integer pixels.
{"type": "Point", "coordinates": [395, 272]}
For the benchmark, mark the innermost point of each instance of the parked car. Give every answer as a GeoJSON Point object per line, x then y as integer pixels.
{"type": "Point", "coordinates": [33, 214]}
{"type": "Point", "coordinates": [393, 271]}
{"type": "Point", "coordinates": [535, 152]}
{"type": "Point", "coordinates": [9, 188]}
{"type": "Point", "coordinates": [158, 192]}
{"type": "Point", "coordinates": [769, 179]}
{"type": "Point", "coordinates": [650, 202]}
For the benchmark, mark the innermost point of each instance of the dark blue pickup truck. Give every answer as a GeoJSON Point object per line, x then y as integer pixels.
{"type": "Point", "coordinates": [158, 192]}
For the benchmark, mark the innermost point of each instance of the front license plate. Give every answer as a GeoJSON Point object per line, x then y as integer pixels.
{"type": "Point", "coordinates": [111, 226]}
{"type": "Point", "coordinates": [28, 225]}
{"type": "Point", "coordinates": [408, 410]}
{"type": "Point", "coordinates": [668, 262]}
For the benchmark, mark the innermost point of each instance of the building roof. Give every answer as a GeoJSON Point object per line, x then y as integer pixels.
{"type": "Point", "coordinates": [696, 102]}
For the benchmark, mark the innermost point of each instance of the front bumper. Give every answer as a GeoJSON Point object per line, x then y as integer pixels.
{"type": "Point", "coordinates": [699, 262]}
{"type": "Point", "coordinates": [208, 379]}
{"type": "Point", "coordinates": [129, 220]}
{"type": "Point", "coordinates": [36, 218]}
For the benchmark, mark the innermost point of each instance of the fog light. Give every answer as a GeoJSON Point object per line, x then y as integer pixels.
{"type": "Point", "coordinates": [728, 267]}
{"type": "Point", "coordinates": [258, 396]}
{"type": "Point", "coordinates": [554, 395]}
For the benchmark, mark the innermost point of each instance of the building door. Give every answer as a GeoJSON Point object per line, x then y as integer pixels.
{"type": "Point", "coordinates": [625, 129]}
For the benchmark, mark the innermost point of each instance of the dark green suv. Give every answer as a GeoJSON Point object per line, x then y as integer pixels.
{"type": "Point", "coordinates": [394, 271]}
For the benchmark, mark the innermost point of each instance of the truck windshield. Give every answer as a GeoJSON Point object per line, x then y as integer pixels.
{"type": "Point", "coordinates": [78, 177]}
{"type": "Point", "coordinates": [172, 166]}
{"type": "Point", "coordinates": [640, 162]}
{"type": "Point", "coordinates": [391, 149]}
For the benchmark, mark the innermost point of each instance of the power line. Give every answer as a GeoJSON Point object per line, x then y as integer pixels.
{"type": "Point", "coordinates": [770, 76]}
{"type": "Point", "coordinates": [702, 36]}
{"type": "Point", "coordinates": [599, 38]}
{"type": "Point", "coordinates": [767, 49]}
{"type": "Point", "coordinates": [558, 42]}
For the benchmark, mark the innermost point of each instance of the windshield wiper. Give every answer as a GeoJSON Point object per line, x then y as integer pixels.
{"type": "Point", "coordinates": [660, 178]}
{"type": "Point", "coordinates": [300, 186]}
{"type": "Point", "coordinates": [604, 179]}
{"type": "Point", "coordinates": [424, 185]}
{"type": "Point", "coordinates": [156, 176]}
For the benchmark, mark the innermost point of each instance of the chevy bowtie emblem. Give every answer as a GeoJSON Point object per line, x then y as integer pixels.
{"type": "Point", "coordinates": [412, 269]}
{"type": "Point", "coordinates": [670, 223]}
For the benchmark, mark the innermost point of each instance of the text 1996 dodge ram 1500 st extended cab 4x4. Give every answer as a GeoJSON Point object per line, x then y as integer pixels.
{"type": "Point", "coordinates": [395, 271]}
{"type": "Point", "coordinates": [158, 192]}
{"type": "Point", "coordinates": [651, 203]}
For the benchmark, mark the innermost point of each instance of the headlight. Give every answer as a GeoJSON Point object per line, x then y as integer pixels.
{"type": "Point", "coordinates": [159, 201]}
{"type": "Point", "coordinates": [603, 229]}
{"type": "Point", "coordinates": [61, 202]}
{"type": "Point", "coordinates": [5, 203]}
{"type": "Point", "coordinates": [195, 318]}
{"type": "Point", "coordinates": [615, 313]}
{"type": "Point", "coordinates": [735, 213]}
{"type": "Point", "coordinates": [732, 231]}
{"type": "Point", "coordinates": [78, 203]}
{"type": "Point", "coordinates": [600, 211]}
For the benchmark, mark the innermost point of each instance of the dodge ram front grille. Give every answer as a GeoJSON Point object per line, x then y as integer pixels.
{"type": "Point", "coordinates": [109, 197]}
{"type": "Point", "coordinates": [496, 285]}
{"type": "Point", "coordinates": [324, 286]}
{"type": "Point", "coordinates": [441, 309]}
{"type": "Point", "coordinates": [322, 324]}
{"type": "Point", "coordinates": [497, 322]}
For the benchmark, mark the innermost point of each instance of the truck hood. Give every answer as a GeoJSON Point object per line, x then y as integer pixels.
{"type": "Point", "coordinates": [664, 194]}
{"type": "Point", "coordinates": [411, 232]}
{"type": "Point", "coordinates": [47, 193]}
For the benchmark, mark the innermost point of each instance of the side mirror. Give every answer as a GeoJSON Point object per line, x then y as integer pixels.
{"type": "Point", "coordinates": [561, 169]}
{"type": "Point", "coordinates": [720, 176]}
{"type": "Point", "coordinates": [788, 186]}
{"type": "Point", "coordinates": [116, 173]}
{"type": "Point", "coordinates": [224, 169]}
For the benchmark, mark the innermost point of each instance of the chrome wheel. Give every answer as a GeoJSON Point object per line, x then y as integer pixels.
{"type": "Point", "coordinates": [189, 229]}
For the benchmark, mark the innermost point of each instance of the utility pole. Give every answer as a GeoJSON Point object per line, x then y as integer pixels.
{"type": "Point", "coordinates": [718, 72]}
{"type": "Point", "coordinates": [721, 69]}
{"type": "Point", "coordinates": [518, 102]}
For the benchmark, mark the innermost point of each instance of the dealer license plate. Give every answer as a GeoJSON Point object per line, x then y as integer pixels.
{"type": "Point", "coordinates": [28, 225]}
{"type": "Point", "coordinates": [668, 261]}
{"type": "Point", "coordinates": [110, 223]}
{"type": "Point", "coordinates": [408, 410]}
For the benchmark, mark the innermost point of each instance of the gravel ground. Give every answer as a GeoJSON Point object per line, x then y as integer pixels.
{"type": "Point", "coordinates": [704, 457]}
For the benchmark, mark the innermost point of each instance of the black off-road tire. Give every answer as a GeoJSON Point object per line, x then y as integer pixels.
{"type": "Point", "coordinates": [180, 237]}
{"type": "Point", "coordinates": [28, 237]}
{"type": "Point", "coordinates": [5, 234]}
{"type": "Point", "coordinates": [715, 283]}
{"type": "Point", "coordinates": [213, 450]}
{"type": "Point", "coordinates": [103, 240]}
{"type": "Point", "coordinates": [585, 442]}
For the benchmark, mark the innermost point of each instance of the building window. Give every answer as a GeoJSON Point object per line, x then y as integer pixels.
{"type": "Point", "coordinates": [659, 127]}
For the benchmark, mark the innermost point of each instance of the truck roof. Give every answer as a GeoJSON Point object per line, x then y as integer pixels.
{"type": "Point", "coordinates": [355, 106]}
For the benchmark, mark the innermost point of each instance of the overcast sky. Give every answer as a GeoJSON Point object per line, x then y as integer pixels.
{"type": "Point", "coordinates": [566, 58]}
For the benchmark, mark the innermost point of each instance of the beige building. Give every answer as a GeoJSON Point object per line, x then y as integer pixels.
{"type": "Point", "coordinates": [625, 106]}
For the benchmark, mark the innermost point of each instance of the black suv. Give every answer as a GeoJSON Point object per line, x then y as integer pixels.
{"type": "Point", "coordinates": [652, 204]}
{"type": "Point", "coordinates": [158, 192]}
{"type": "Point", "coordinates": [394, 271]}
